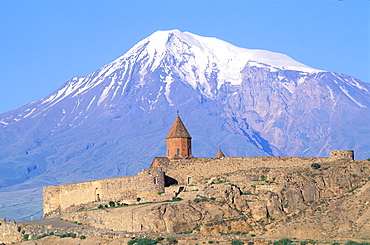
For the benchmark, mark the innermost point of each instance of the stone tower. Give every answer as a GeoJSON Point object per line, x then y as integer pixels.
{"type": "Point", "coordinates": [178, 141]}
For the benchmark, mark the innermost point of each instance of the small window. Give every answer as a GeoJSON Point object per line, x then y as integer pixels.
{"type": "Point", "coordinates": [155, 180]}
{"type": "Point", "coordinates": [178, 152]}
{"type": "Point", "coordinates": [189, 180]}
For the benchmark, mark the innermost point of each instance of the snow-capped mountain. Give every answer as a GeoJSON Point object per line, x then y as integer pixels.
{"type": "Point", "coordinates": [113, 121]}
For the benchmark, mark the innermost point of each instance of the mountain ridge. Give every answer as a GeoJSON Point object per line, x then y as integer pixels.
{"type": "Point", "coordinates": [113, 121]}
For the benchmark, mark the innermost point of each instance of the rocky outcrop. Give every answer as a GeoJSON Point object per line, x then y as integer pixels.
{"type": "Point", "coordinates": [276, 202]}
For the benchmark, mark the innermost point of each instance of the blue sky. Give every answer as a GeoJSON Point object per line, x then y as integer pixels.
{"type": "Point", "coordinates": [46, 43]}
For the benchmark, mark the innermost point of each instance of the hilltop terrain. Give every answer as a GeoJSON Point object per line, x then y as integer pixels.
{"type": "Point", "coordinates": [316, 203]}
{"type": "Point", "coordinates": [325, 202]}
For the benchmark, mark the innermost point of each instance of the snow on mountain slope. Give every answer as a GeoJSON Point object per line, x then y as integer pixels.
{"type": "Point", "coordinates": [113, 121]}
{"type": "Point", "coordinates": [195, 59]}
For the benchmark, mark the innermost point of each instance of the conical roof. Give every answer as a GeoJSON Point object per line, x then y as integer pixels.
{"type": "Point", "coordinates": [219, 154]}
{"type": "Point", "coordinates": [178, 130]}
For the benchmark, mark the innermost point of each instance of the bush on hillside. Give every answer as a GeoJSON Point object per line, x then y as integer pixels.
{"type": "Point", "coordinates": [315, 165]}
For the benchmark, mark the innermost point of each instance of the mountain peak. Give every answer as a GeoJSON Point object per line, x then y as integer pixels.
{"type": "Point", "coordinates": [113, 121]}
{"type": "Point", "coordinates": [161, 41]}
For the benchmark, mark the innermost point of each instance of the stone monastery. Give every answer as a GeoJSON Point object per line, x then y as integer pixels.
{"type": "Point", "coordinates": [168, 176]}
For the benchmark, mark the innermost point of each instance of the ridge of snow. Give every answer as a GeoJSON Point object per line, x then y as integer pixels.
{"type": "Point", "coordinates": [204, 55]}
{"type": "Point", "coordinates": [345, 91]}
{"type": "Point", "coordinates": [199, 59]}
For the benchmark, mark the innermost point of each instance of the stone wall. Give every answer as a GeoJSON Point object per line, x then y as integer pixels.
{"type": "Point", "coordinates": [70, 197]}
{"type": "Point", "coordinates": [149, 183]}
{"type": "Point", "coordinates": [146, 185]}
{"type": "Point", "coordinates": [191, 171]}
{"type": "Point", "coordinates": [342, 154]}
{"type": "Point", "coordinates": [9, 232]}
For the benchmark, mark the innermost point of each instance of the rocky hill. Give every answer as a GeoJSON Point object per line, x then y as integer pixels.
{"type": "Point", "coordinates": [327, 202]}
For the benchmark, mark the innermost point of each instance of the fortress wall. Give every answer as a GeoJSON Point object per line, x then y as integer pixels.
{"type": "Point", "coordinates": [150, 182]}
{"type": "Point", "coordinates": [132, 218]}
{"type": "Point", "coordinates": [201, 168]}
{"type": "Point", "coordinates": [342, 154]}
{"type": "Point", "coordinates": [146, 185]}
{"type": "Point", "coordinates": [65, 198]}
{"type": "Point", "coordinates": [51, 202]}
{"type": "Point", "coordinates": [9, 232]}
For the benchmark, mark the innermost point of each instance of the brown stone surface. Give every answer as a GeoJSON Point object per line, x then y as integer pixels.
{"type": "Point", "coordinates": [178, 130]}
{"type": "Point", "coordinates": [327, 204]}
{"type": "Point", "coordinates": [76, 196]}
{"type": "Point", "coordinates": [9, 232]}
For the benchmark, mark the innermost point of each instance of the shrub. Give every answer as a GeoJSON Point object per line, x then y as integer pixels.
{"type": "Point", "coordinates": [172, 240]}
{"type": "Point", "coordinates": [200, 199]}
{"type": "Point", "coordinates": [73, 235]}
{"type": "Point", "coordinates": [160, 192]}
{"type": "Point", "coordinates": [315, 165]}
{"type": "Point", "coordinates": [250, 243]}
{"type": "Point", "coordinates": [237, 242]}
{"type": "Point", "coordinates": [356, 243]}
{"type": "Point", "coordinates": [82, 237]}
{"type": "Point", "coordinates": [142, 241]}
{"type": "Point", "coordinates": [284, 241]}
{"type": "Point", "coordinates": [100, 206]}
{"type": "Point", "coordinates": [210, 242]}
{"type": "Point", "coordinates": [41, 236]}
{"type": "Point", "coordinates": [112, 203]}
{"type": "Point", "coordinates": [138, 199]}
{"type": "Point", "coordinates": [159, 238]}
{"type": "Point", "coordinates": [26, 236]}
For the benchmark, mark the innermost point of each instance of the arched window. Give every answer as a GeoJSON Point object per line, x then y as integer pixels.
{"type": "Point", "coordinates": [189, 180]}
{"type": "Point", "coordinates": [178, 152]}
{"type": "Point", "coordinates": [155, 180]}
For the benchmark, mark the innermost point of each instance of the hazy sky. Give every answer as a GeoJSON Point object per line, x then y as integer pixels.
{"type": "Point", "coordinates": [46, 43]}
